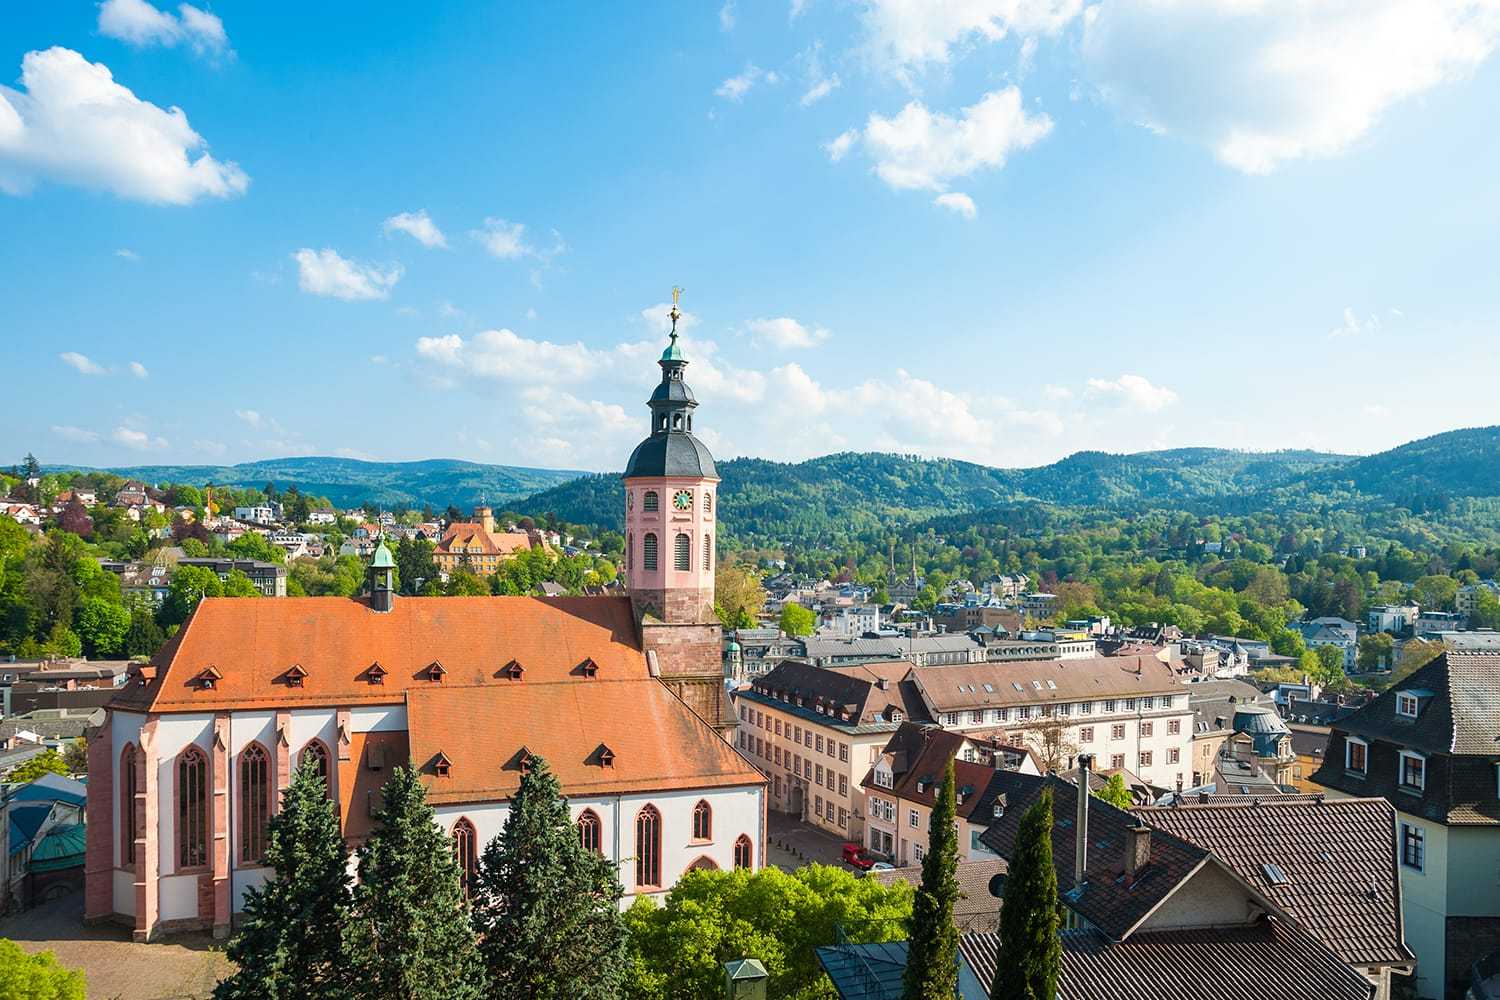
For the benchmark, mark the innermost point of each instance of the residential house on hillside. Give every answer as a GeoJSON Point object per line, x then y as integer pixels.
{"type": "Point", "coordinates": [1467, 598]}
{"type": "Point", "coordinates": [1331, 631]}
{"type": "Point", "coordinates": [1130, 711]}
{"type": "Point", "coordinates": [477, 546]}
{"type": "Point", "coordinates": [269, 578]}
{"type": "Point", "coordinates": [815, 731]}
{"type": "Point", "coordinates": [1430, 746]}
{"type": "Point", "coordinates": [1214, 703]}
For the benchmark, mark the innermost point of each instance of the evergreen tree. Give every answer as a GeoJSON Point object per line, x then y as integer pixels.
{"type": "Point", "coordinates": [290, 942]}
{"type": "Point", "coordinates": [932, 948]}
{"type": "Point", "coordinates": [409, 938]}
{"type": "Point", "coordinates": [1030, 950]}
{"type": "Point", "coordinates": [547, 909]}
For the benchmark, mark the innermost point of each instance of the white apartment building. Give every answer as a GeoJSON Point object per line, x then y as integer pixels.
{"type": "Point", "coordinates": [1130, 712]}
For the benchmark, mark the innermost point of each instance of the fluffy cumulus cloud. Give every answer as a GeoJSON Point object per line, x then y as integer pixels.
{"type": "Point", "coordinates": [138, 370]}
{"type": "Point", "coordinates": [419, 226]}
{"type": "Point", "coordinates": [508, 241]}
{"type": "Point", "coordinates": [324, 272]}
{"type": "Point", "coordinates": [73, 124]}
{"type": "Point", "coordinates": [918, 149]}
{"type": "Point", "coordinates": [138, 440]}
{"type": "Point", "coordinates": [957, 201]}
{"type": "Point", "coordinates": [1261, 85]}
{"type": "Point", "coordinates": [1133, 391]}
{"type": "Point", "coordinates": [507, 356]}
{"type": "Point", "coordinates": [785, 333]}
{"type": "Point", "coordinates": [138, 23]}
{"type": "Point", "coordinates": [908, 35]}
{"type": "Point", "coordinates": [82, 363]}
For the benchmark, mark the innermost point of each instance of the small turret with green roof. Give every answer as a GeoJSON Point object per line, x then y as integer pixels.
{"type": "Point", "coordinates": [381, 573]}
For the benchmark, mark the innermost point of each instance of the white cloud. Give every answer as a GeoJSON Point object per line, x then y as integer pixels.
{"type": "Point", "coordinates": [251, 417]}
{"type": "Point", "coordinates": [659, 319]}
{"type": "Point", "coordinates": [820, 89]}
{"type": "Point", "coordinates": [419, 226]}
{"type": "Point", "coordinates": [138, 440]}
{"type": "Point", "coordinates": [507, 241]}
{"type": "Point", "coordinates": [138, 23]}
{"type": "Point", "coordinates": [504, 355]}
{"type": "Point", "coordinates": [1134, 391]}
{"type": "Point", "coordinates": [74, 124]}
{"type": "Point", "coordinates": [1057, 392]}
{"type": "Point", "coordinates": [82, 363]}
{"type": "Point", "coordinates": [918, 149]}
{"type": "Point", "coordinates": [324, 272]}
{"type": "Point", "coordinates": [785, 333]}
{"type": "Point", "coordinates": [1353, 326]}
{"type": "Point", "coordinates": [957, 201]}
{"type": "Point", "coordinates": [907, 35]}
{"type": "Point", "coordinates": [736, 87]}
{"type": "Point", "coordinates": [125, 253]}
{"type": "Point", "coordinates": [1260, 85]}
{"type": "Point", "coordinates": [75, 434]}
{"type": "Point", "coordinates": [726, 16]}
{"type": "Point", "coordinates": [798, 7]}
{"type": "Point", "coordinates": [139, 370]}
{"type": "Point", "coordinates": [838, 147]}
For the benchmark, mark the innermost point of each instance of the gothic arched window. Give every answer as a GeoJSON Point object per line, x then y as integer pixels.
{"type": "Point", "coordinates": [648, 551]}
{"type": "Point", "coordinates": [744, 853]}
{"type": "Point", "coordinates": [464, 841]}
{"type": "Point", "coordinates": [255, 802]}
{"type": "Point", "coordinates": [703, 821]}
{"type": "Point", "coordinates": [129, 780]}
{"type": "Point", "coordinates": [651, 501]}
{"type": "Point", "coordinates": [192, 809]}
{"type": "Point", "coordinates": [683, 554]}
{"type": "Point", "coordinates": [316, 752]}
{"type": "Point", "coordinates": [589, 830]}
{"type": "Point", "coordinates": [648, 847]}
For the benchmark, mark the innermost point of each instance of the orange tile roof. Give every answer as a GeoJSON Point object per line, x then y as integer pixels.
{"type": "Point", "coordinates": [467, 535]}
{"type": "Point", "coordinates": [657, 741]}
{"type": "Point", "coordinates": [252, 642]}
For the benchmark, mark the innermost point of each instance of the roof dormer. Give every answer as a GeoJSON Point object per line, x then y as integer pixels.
{"type": "Point", "coordinates": [441, 765]}
{"type": "Point", "coordinates": [294, 675]}
{"type": "Point", "coordinates": [603, 756]}
{"type": "Point", "coordinates": [375, 673]}
{"type": "Point", "coordinates": [435, 671]}
{"type": "Point", "coordinates": [512, 670]}
{"type": "Point", "coordinates": [208, 678]}
{"type": "Point", "coordinates": [588, 667]}
{"type": "Point", "coordinates": [1410, 702]}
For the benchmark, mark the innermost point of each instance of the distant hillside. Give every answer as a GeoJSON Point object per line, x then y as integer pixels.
{"type": "Point", "coordinates": [838, 496]}
{"type": "Point", "coordinates": [1462, 463]}
{"type": "Point", "coordinates": [348, 482]}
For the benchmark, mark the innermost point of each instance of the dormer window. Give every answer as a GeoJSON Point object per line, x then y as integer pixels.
{"type": "Point", "coordinates": [376, 673]}
{"type": "Point", "coordinates": [604, 756]}
{"type": "Point", "coordinates": [1356, 755]}
{"type": "Point", "coordinates": [442, 765]}
{"type": "Point", "coordinates": [512, 670]}
{"type": "Point", "coordinates": [208, 678]}
{"type": "Point", "coordinates": [1408, 705]}
{"type": "Point", "coordinates": [524, 760]}
{"type": "Point", "coordinates": [295, 675]}
{"type": "Point", "coordinates": [589, 668]}
{"type": "Point", "coordinates": [1412, 771]}
{"type": "Point", "coordinates": [435, 671]}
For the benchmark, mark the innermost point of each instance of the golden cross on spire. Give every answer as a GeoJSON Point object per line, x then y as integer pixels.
{"type": "Point", "coordinates": [676, 313]}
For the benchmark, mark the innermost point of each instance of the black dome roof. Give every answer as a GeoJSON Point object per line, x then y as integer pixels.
{"type": "Point", "coordinates": [675, 453]}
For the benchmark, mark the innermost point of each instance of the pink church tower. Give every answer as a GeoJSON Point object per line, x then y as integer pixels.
{"type": "Point", "coordinates": [671, 509]}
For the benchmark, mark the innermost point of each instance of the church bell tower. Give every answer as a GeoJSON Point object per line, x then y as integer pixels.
{"type": "Point", "coordinates": [671, 509]}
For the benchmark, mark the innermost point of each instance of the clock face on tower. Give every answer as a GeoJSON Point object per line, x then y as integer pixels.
{"type": "Point", "coordinates": [683, 500]}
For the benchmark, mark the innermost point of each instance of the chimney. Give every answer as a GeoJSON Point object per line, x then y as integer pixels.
{"type": "Point", "coordinates": [1137, 849]}
{"type": "Point", "coordinates": [1081, 827]}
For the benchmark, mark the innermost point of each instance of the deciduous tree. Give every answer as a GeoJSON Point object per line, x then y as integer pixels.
{"type": "Point", "coordinates": [796, 620]}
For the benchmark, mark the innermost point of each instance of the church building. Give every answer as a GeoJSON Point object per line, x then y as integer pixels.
{"type": "Point", "coordinates": [622, 696]}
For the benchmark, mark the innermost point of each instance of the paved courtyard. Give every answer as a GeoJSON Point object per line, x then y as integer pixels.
{"type": "Point", "coordinates": [186, 967]}
{"type": "Point", "coordinates": [792, 844]}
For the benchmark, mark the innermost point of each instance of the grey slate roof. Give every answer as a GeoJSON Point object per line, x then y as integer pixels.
{"type": "Point", "coordinates": [1339, 857]}
{"type": "Point", "coordinates": [976, 909]}
{"type": "Point", "coordinates": [671, 453]}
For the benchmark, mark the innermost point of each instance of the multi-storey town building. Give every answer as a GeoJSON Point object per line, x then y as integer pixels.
{"type": "Point", "coordinates": [621, 696]}
{"type": "Point", "coordinates": [476, 545]}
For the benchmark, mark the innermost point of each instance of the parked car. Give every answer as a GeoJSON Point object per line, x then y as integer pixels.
{"type": "Point", "coordinates": [856, 855]}
{"type": "Point", "coordinates": [881, 866]}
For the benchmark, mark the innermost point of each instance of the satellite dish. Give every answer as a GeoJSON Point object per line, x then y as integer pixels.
{"type": "Point", "coordinates": [997, 885]}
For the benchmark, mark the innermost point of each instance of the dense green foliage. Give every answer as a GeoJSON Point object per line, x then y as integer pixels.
{"type": "Point", "coordinates": [1030, 951]}
{"type": "Point", "coordinates": [677, 951]}
{"type": "Point", "coordinates": [409, 935]}
{"type": "Point", "coordinates": [1115, 792]}
{"type": "Point", "coordinates": [49, 761]}
{"type": "Point", "coordinates": [545, 909]}
{"type": "Point", "coordinates": [932, 941]}
{"type": "Point", "coordinates": [289, 942]}
{"type": "Point", "coordinates": [36, 977]}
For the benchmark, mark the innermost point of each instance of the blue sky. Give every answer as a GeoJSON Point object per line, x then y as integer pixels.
{"type": "Point", "coordinates": [1000, 230]}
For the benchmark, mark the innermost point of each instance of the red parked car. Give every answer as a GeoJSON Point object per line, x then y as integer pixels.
{"type": "Point", "coordinates": [857, 856]}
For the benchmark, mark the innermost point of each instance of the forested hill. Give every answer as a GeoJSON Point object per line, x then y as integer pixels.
{"type": "Point", "coordinates": [349, 482]}
{"type": "Point", "coordinates": [825, 500]}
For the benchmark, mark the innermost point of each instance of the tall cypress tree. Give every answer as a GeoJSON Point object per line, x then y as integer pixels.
{"type": "Point", "coordinates": [932, 938]}
{"type": "Point", "coordinates": [409, 936]}
{"type": "Point", "coordinates": [289, 942]}
{"type": "Point", "coordinates": [547, 910]}
{"type": "Point", "coordinates": [1030, 950]}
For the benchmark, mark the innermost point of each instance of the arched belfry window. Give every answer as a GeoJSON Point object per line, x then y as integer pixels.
{"type": "Point", "coordinates": [192, 809]}
{"type": "Point", "coordinates": [648, 847]}
{"type": "Point", "coordinates": [682, 555]}
{"type": "Point", "coordinates": [648, 551]}
{"type": "Point", "coordinates": [708, 552]}
{"type": "Point", "coordinates": [651, 501]}
{"type": "Point", "coordinates": [708, 502]}
{"type": "Point", "coordinates": [677, 421]}
{"type": "Point", "coordinates": [255, 802]}
{"type": "Point", "coordinates": [465, 846]}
